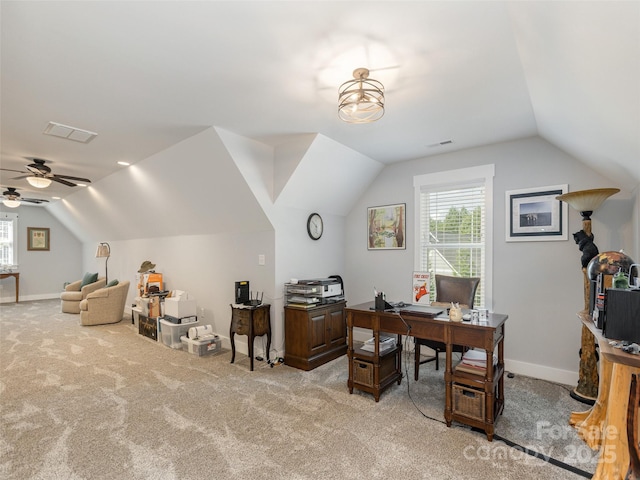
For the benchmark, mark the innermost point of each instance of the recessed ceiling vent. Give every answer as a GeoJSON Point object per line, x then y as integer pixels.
{"type": "Point", "coordinates": [441, 144]}
{"type": "Point", "coordinates": [70, 133]}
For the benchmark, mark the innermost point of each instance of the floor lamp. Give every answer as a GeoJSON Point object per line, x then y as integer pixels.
{"type": "Point", "coordinates": [586, 202]}
{"type": "Point", "coordinates": [104, 250]}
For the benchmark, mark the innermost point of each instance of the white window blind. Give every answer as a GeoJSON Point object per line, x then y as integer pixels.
{"type": "Point", "coordinates": [452, 227]}
{"type": "Point", "coordinates": [8, 238]}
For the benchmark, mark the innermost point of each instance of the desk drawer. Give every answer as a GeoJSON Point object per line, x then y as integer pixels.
{"type": "Point", "coordinates": [430, 330]}
{"type": "Point", "coordinates": [472, 336]}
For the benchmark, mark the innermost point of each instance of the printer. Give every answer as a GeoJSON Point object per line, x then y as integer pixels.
{"type": "Point", "coordinates": [328, 288]}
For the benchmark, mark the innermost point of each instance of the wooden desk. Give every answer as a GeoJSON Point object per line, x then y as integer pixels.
{"type": "Point", "coordinates": [486, 336]}
{"type": "Point", "coordinates": [15, 275]}
{"type": "Point", "coordinates": [604, 425]}
{"type": "Point", "coordinates": [253, 322]}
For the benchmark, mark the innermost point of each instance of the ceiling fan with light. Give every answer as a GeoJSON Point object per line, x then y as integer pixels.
{"type": "Point", "coordinates": [11, 198]}
{"type": "Point", "coordinates": [39, 175]}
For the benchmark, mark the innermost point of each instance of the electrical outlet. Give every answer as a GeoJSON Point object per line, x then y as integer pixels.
{"type": "Point", "coordinates": [261, 259]}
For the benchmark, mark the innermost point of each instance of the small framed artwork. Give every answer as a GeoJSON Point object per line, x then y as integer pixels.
{"type": "Point", "coordinates": [38, 239]}
{"type": "Point", "coordinates": [386, 227]}
{"type": "Point", "coordinates": [534, 214]}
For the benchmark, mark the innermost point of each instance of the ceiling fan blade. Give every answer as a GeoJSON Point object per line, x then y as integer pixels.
{"type": "Point", "coordinates": [60, 180]}
{"type": "Point", "coordinates": [11, 170]}
{"type": "Point", "coordinates": [21, 177]}
{"type": "Point", "coordinates": [68, 177]}
{"type": "Point", "coordinates": [33, 200]}
{"type": "Point", "coordinates": [40, 170]}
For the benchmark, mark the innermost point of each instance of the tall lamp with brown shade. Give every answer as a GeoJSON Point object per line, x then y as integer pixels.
{"type": "Point", "coordinates": [586, 202]}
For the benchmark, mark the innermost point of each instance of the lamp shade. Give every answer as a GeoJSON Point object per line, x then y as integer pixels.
{"type": "Point", "coordinates": [361, 100]}
{"type": "Point", "coordinates": [39, 182]}
{"type": "Point", "coordinates": [587, 200]}
{"type": "Point", "coordinates": [103, 250]}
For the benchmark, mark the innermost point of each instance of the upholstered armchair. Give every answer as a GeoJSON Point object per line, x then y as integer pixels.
{"type": "Point", "coordinates": [105, 305]}
{"type": "Point", "coordinates": [460, 290]}
{"type": "Point", "coordinates": [75, 292]}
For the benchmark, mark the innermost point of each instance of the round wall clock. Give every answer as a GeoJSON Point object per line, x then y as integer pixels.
{"type": "Point", "coordinates": [314, 226]}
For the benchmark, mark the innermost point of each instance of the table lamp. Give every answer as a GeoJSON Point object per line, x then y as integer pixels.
{"type": "Point", "coordinates": [586, 202]}
{"type": "Point", "coordinates": [104, 250]}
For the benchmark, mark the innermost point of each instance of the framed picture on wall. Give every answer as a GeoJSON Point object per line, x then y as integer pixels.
{"type": "Point", "coordinates": [534, 214]}
{"type": "Point", "coordinates": [38, 239]}
{"type": "Point", "coordinates": [386, 227]}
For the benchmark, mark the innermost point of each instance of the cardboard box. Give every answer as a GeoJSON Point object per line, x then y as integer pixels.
{"type": "Point", "coordinates": [180, 305]}
{"type": "Point", "coordinates": [147, 280]}
{"type": "Point", "coordinates": [179, 308]}
{"type": "Point", "coordinates": [154, 307]}
{"type": "Point", "coordinates": [204, 345]}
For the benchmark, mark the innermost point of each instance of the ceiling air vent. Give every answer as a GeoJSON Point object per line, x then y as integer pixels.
{"type": "Point", "coordinates": [441, 144]}
{"type": "Point", "coordinates": [70, 133]}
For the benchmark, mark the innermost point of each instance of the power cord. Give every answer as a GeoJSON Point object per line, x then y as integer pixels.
{"type": "Point", "coordinates": [407, 355]}
{"type": "Point", "coordinates": [510, 443]}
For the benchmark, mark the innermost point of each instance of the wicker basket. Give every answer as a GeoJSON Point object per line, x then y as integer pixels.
{"type": "Point", "coordinates": [363, 373]}
{"type": "Point", "coordinates": [468, 402]}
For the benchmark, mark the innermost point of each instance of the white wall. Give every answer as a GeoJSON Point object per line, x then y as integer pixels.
{"type": "Point", "coordinates": [43, 273]}
{"type": "Point", "coordinates": [539, 284]}
{"type": "Point", "coordinates": [205, 266]}
{"type": "Point", "coordinates": [204, 210]}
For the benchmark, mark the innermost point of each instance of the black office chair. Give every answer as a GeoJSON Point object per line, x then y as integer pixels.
{"type": "Point", "coordinates": [460, 290]}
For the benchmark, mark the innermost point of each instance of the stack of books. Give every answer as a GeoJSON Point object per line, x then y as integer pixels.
{"type": "Point", "coordinates": [475, 362]}
{"type": "Point", "coordinates": [386, 343]}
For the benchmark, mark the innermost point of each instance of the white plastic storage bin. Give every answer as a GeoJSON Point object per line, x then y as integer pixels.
{"type": "Point", "coordinates": [204, 345]}
{"type": "Point", "coordinates": [171, 332]}
{"type": "Point", "coordinates": [135, 315]}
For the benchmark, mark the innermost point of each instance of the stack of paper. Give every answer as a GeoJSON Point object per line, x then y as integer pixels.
{"type": "Point", "coordinates": [386, 343]}
{"type": "Point", "coordinates": [475, 361]}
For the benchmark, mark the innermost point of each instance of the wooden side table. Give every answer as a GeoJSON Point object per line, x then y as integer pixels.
{"type": "Point", "coordinates": [15, 275]}
{"type": "Point", "coordinates": [253, 322]}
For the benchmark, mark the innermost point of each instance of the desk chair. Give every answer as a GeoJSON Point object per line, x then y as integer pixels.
{"type": "Point", "coordinates": [460, 290]}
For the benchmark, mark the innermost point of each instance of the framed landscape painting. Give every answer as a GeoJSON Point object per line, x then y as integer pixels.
{"type": "Point", "coordinates": [386, 227]}
{"type": "Point", "coordinates": [534, 214]}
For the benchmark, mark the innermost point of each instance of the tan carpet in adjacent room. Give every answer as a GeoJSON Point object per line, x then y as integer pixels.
{"type": "Point", "coordinates": [106, 403]}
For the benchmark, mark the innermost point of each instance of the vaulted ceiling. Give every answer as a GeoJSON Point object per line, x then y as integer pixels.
{"type": "Point", "coordinates": [146, 75]}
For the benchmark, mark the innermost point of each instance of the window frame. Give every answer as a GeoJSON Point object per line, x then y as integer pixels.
{"type": "Point", "coordinates": [453, 179]}
{"type": "Point", "coordinates": [12, 217]}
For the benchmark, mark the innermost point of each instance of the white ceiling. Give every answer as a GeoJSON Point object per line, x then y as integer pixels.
{"type": "Point", "coordinates": [145, 75]}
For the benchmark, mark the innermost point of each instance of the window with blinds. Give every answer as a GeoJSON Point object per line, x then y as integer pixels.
{"type": "Point", "coordinates": [452, 228]}
{"type": "Point", "coordinates": [8, 238]}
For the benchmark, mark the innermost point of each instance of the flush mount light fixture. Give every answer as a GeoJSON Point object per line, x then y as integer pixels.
{"type": "Point", "coordinates": [361, 100]}
{"type": "Point", "coordinates": [70, 133]}
{"type": "Point", "coordinates": [39, 182]}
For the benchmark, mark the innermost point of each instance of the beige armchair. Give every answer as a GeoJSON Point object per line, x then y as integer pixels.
{"type": "Point", "coordinates": [105, 305]}
{"type": "Point", "coordinates": [74, 293]}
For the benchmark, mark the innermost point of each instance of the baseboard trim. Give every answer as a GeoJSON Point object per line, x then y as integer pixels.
{"type": "Point", "coordinates": [541, 372]}
{"type": "Point", "coordinates": [29, 298]}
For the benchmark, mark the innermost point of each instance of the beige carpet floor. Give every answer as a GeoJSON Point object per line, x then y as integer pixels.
{"type": "Point", "coordinates": [106, 403]}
